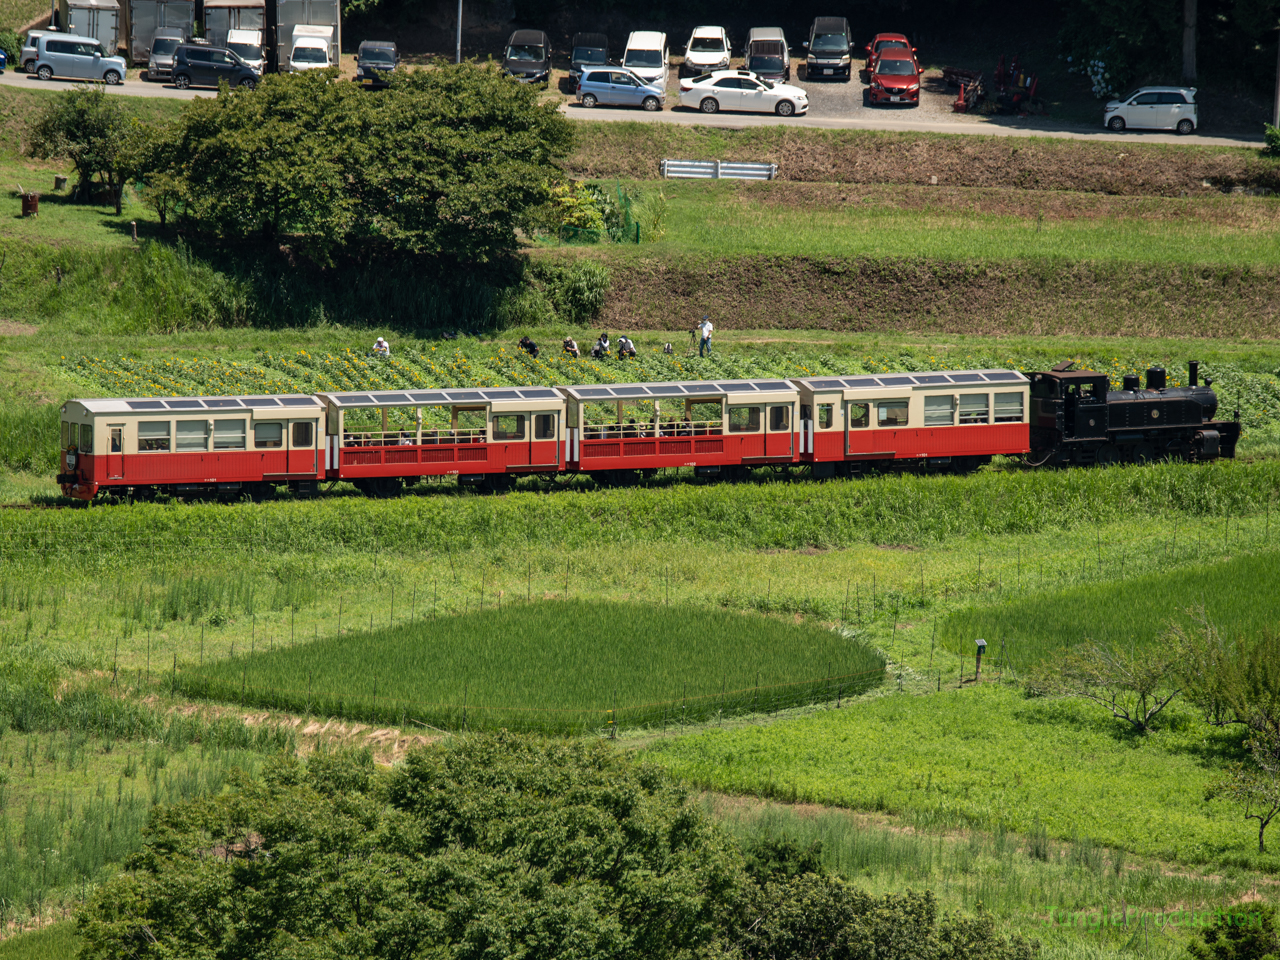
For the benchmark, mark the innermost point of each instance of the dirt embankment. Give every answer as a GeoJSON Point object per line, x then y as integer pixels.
{"type": "Point", "coordinates": [1011, 297]}
{"type": "Point", "coordinates": [628, 151]}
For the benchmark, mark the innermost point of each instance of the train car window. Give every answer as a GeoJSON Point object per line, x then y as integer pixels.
{"type": "Point", "coordinates": [780, 418]}
{"type": "Point", "coordinates": [939, 411]}
{"type": "Point", "coordinates": [153, 436]}
{"type": "Point", "coordinates": [86, 438]}
{"type": "Point", "coordinates": [826, 416]}
{"type": "Point", "coordinates": [117, 438]}
{"type": "Point", "coordinates": [508, 426]}
{"type": "Point", "coordinates": [66, 432]}
{"type": "Point", "coordinates": [268, 435]}
{"type": "Point", "coordinates": [892, 413]}
{"type": "Point", "coordinates": [1008, 408]}
{"type": "Point", "coordinates": [304, 435]}
{"type": "Point", "coordinates": [1086, 391]}
{"type": "Point", "coordinates": [332, 424]}
{"type": "Point", "coordinates": [859, 415]}
{"type": "Point", "coordinates": [544, 426]}
{"type": "Point", "coordinates": [744, 419]}
{"type": "Point", "coordinates": [973, 408]}
{"type": "Point", "coordinates": [193, 435]}
{"type": "Point", "coordinates": [228, 435]}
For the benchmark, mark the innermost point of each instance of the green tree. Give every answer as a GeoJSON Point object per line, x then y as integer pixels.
{"type": "Point", "coordinates": [89, 128]}
{"type": "Point", "coordinates": [1247, 932]}
{"type": "Point", "coordinates": [489, 846]}
{"type": "Point", "coordinates": [1135, 684]}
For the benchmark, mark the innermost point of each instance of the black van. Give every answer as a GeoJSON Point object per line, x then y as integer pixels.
{"type": "Point", "coordinates": [830, 47]}
{"type": "Point", "coordinates": [767, 54]}
{"type": "Point", "coordinates": [528, 56]}
{"type": "Point", "coordinates": [589, 50]}
{"type": "Point", "coordinates": [200, 65]}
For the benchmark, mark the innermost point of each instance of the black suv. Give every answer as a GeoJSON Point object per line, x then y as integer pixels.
{"type": "Point", "coordinates": [198, 65]}
{"type": "Point", "coordinates": [375, 60]}
{"type": "Point", "coordinates": [830, 47]}
{"type": "Point", "coordinates": [528, 56]}
{"type": "Point", "coordinates": [589, 50]}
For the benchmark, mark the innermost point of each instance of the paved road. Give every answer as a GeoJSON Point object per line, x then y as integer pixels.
{"type": "Point", "coordinates": [129, 88]}
{"type": "Point", "coordinates": [855, 116]}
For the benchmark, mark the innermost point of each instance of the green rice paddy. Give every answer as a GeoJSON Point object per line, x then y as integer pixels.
{"type": "Point", "coordinates": [1239, 596]}
{"type": "Point", "coordinates": [555, 666]}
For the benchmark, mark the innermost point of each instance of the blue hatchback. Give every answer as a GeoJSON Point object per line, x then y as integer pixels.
{"type": "Point", "coordinates": [618, 86]}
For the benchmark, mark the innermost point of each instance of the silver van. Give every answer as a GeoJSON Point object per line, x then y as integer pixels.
{"type": "Point", "coordinates": [767, 54]}
{"type": "Point", "coordinates": [81, 58]}
{"type": "Point", "coordinates": [27, 59]}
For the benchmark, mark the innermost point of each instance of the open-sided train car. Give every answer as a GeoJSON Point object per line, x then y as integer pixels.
{"type": "Point", "coordinates": [190, 445]}
{"type": "Point", "coordinates": [484, 437]}
{"type": "Point", "coordinates": [618, 431]}
{"type": "Point", "coordinates": [946, 422]}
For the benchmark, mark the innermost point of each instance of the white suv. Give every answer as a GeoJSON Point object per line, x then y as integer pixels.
{"type": "Point", "coordinates": [708, 50]}
{"type": "Point", "coordinates": [1154, 108]}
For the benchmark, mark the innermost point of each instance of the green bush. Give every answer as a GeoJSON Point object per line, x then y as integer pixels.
{"type": "Point", "coordinates": [576, 289]}
{"type": "Point", "coordinates": [11, 44]}
{"type": "Point", "coordinates": [1272, 137]}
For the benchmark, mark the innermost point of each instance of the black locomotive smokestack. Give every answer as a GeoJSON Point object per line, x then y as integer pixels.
{"type": "Point", "coordinates": [1132, 381]}
{"type": "Point", "coordinates": [1155, 378]}
{"type": "Point", "coordinates": [1193, 368]}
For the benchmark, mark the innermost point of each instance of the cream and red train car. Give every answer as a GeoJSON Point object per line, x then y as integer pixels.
{"type": "Point", "coordinates": [219, 446]}
{"type": "Point", "coordinates": [719, 428]}
{"type": "Point", "coordinates": [485, 437]}
{"type": "Point", "coordinates": [945, 422]}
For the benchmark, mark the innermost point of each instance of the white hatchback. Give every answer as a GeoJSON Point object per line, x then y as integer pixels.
{"type": "Point", "coordinates": [708, 49]}
{"type": "Point", "coordinates": [1154, 108]}
{"type": "Point", "coordinates": [742, 90]}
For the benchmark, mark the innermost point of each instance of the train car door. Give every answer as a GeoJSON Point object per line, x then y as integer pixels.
{"type": "Point", "coordinates": [115, 451]}
{"type": "Point", "coordinates": [778, 436]}
{"type": "Point", "coordinates": [513, 432]}
{"type": "Point", "coordinates": [544, 446]}
{"type": "Point", "coordinates": [302, 446]}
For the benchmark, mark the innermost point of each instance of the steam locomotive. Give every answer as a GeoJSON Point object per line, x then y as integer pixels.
{"type": "Point", "coordinates": [1076, 419]}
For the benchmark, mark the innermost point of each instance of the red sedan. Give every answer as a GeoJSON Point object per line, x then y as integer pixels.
{"type": "Point", "coordinates": [882, 42]}
{"type": "Point", "coordinates": [896, 78]}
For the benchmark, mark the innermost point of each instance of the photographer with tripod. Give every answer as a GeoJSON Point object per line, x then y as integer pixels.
{"type": "Point", "coordinates": [703, 330]}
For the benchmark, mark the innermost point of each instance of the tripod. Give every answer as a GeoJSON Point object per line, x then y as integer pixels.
{"type": "Point", "coordinates": [693, 343]}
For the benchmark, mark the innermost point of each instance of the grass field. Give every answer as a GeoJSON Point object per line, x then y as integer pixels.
{"type": "Point", "coordinates": [992, 759]}
{"type": "Point", "coordinates": [56, 942]}
{"type": "Point", "coordinates": [569, 666]}
{"type": "Point", "coordinates": [1238, 596]}
{"type": "Point", "coordinates": [724, 218]}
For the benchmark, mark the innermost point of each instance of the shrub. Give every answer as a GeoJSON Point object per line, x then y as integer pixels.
{"type": "Point", "coordinates": [1272, 138]}
{"type": "Point", "coordinates": [11, 44]}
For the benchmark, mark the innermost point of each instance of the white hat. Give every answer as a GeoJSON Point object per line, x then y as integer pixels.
{"type": "Point", "coordinates": [380, 340]}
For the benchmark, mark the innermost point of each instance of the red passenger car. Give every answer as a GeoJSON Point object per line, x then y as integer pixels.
{"type": "Point", "coordinates": [484, 437]}
{"type": "Point", "coordinates": [221, 446]}
{"type": "Point", "coordinates": [620, 431]}
{"type": "Point", "coordinates": [953, 421]}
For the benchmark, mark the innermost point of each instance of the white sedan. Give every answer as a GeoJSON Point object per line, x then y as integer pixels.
{"type": "Point", "coordinates": [742, 90]}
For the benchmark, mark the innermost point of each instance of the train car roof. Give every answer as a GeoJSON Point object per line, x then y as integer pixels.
{"type": "Point", "coordinates": [682, 388]}
{"type": "Point", "coordinates": [409, 398]}
{"type": "Point", "coordinates": [188, 404]}
{"type": "Point", "coordinates": [930, 378]}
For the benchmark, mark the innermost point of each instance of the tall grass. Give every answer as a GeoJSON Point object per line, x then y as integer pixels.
{"type": "Point", "coordinates": [1240, 596]}
{"type": "Point", "coordinates": [885, 510]}
{"type": "Point", "coordinates": [29, 437]}
{"type": "Point", "coordinates": [555, 666]}
{"type": "Point", "coordinates": [58, 941]}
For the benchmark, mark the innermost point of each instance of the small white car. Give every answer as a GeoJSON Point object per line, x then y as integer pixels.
{"type": "Point", "coordinates": [647, 56]}
{"type": "Point", "coordinates": [708, 49]}
{"type": "Point", "coordinates": [1154, 108]}
{"type": "Point", "coordinates": [742, 90]}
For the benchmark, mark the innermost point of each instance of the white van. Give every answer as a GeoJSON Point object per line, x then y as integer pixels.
{"type": "Point", "coordinates": [647, 56]}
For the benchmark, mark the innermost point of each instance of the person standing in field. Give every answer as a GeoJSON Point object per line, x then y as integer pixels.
{"type": "Point", "coordinates": [705, 328]}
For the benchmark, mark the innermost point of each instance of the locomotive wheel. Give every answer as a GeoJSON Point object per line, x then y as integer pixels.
{"type": "Point", "coordinates": [1145, 453]}
{"type": "Point", "coordinates": [1107, 454]}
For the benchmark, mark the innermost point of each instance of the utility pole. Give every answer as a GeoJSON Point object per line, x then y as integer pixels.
{"type": "Point", "coordinates": [1275, 119]}
{"type": "Point", "coordinates": [459, 60]}
{"type": "Point", "coordinates": [1189, 17]}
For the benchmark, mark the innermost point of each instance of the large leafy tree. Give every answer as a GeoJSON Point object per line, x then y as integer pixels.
{"type": "Point", "coordinates": [444, 162]}
{"type": "Point", "coordinates": [490, 847]}
{"type": "Point", "coordinates": [89, 128]}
